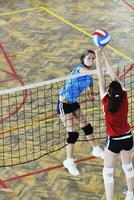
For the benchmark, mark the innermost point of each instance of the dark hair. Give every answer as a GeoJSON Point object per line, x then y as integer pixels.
{"type": "Point", "coordinates": [115, 96]}
{"type": "Point", "coordinates": [86, 52]}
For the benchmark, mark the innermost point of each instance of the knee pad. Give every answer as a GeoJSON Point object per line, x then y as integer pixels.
{"type": "Point", "coordinates": [88, 129]}
{"type": "Point", "coordinates": [128, 169]}
{"type": "Point", "coordinates": [108, 175]}
{"type": "Point", "coordinates": [73, 136]}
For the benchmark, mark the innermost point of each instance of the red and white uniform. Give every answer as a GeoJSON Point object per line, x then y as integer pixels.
{"type": "Point", "coordinates": [116, 123]}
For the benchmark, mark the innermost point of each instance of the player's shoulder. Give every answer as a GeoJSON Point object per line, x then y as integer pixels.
{"type": "Point", "coordinates": [78, 67]}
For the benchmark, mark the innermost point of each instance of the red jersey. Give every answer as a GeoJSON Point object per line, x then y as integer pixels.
{"type": "Point", "coordinates": [116, 123]}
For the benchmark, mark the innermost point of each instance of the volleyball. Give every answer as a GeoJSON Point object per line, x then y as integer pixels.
{"type": "Point", "coordinates": [101, 37]}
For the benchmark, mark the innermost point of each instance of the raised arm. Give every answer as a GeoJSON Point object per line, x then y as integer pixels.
{"type": "Point", "coordinates": [85, 70]}
{"type": "Point", "coordinates": [109, 67]}
{"type": "Point", "coordinates": [108, 64]}
{"type": "Point", "coordinates": [100, 73]}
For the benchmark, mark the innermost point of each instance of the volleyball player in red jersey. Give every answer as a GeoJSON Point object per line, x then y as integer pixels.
{"type": "Point", "coordinates": [119, 137]}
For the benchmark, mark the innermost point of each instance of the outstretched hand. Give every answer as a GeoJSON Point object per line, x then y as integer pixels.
{"type": "Point", "coordinates": [99, 50]}
{"type": "Point", "coordinates": [90, 97]}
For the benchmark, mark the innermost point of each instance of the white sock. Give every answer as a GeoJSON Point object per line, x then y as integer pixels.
{"type": "Point", "coordinates": [69, 159]}
{"type": "Point", "coordinates": [97, 147]}
{"type": "Point", "coordinates": [130, 193]}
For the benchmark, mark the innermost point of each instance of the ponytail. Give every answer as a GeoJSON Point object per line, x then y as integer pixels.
{"type": "Point", "coordinates": [114, 104]}
{"type": "Point", "coordinates": [115, 97]}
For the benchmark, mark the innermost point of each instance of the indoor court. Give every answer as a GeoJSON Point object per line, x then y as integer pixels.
{"type": "Point", "coordinates": [40, 42]}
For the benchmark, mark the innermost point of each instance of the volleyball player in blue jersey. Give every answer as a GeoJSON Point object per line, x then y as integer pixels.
{"type": "Point", "coordinates": [70, 112]}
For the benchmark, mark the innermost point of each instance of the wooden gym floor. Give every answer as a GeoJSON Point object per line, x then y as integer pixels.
{"type": "Point", "coordinates": [44, 40]}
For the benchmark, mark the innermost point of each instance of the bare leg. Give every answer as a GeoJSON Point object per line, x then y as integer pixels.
{"type": "Point", "coordinates": [69, 151]}
{"type": "Point", "coordinates": [68, 121]}
{"type": "Point", "coordinates": [126, 158]}
{"type": "Point", "coordinates": [82, 121]}
{"type": "Point", "coordinates": [109, 163]}
{"type": "Point", "coordinates": [91, 140]}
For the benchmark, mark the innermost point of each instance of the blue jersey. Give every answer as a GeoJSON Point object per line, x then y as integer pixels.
{"type": "Point", "coordinates": [73, 87]}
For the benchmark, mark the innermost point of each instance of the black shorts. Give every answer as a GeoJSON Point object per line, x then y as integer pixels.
{"type": "Point", "coordinates": [65, 108]}
{"type": "Point", "coordinates": [123, 142]}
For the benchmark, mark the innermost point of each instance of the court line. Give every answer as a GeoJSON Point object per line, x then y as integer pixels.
{"type": "Point", "coordinates": [128, 4]}
{"type": "Point", "coordinates": [16, 77]}
{"type": "Point", "coordinates": [66, 22]}
{"type": "Point", "coordinates": [54, 116]}
{"type": "Point", "coordinates": [83, 31]}
{"type": "Point", "coordinates": [3, 185]}
{"type": "Point", "coordinates": [45, 170]}
{"type": "Point", "coordinates": [42, 120]}
{"type": "Point", "coordinates": [86, 33]}
{"type": "Point", "coordinates": [5, 54]}
{"type": "Point", "coordinates": [19, 11]}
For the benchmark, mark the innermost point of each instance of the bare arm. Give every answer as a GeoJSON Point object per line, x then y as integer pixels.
{"type": "Point", "coordinates": [90, 89]}
{"type": "Point", "coordinates": [108, 64]}
{"type": "Point", "coordinates": [90, 93]}
{"type": "Point", "coordinates": [84, 70]}
{"type": "Point", "coordinates": [109, 67]}
{"type": "Point", "coordinates": [100, 73]}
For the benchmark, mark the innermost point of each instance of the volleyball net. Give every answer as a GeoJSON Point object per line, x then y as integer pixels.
{"type": "Point", "coordinates": [30, 126]}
